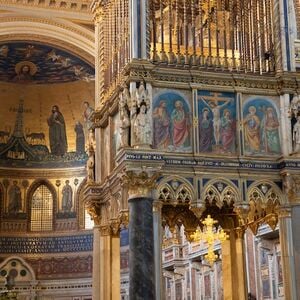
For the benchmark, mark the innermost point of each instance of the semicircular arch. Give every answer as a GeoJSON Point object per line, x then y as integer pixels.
{"type": "Point", "coordinates": [56, 32]}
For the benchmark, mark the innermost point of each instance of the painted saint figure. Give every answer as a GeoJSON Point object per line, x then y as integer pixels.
{"type": "Point", "coordinates": [15, 199]}
{"type": "Point", "coordinates": [270, 131]}
{"type": "Point", "coordinates": [227, 132]}
{"type": "Point", "coordinates": [252, 130]}
{"type": "Point", "coordinates": [161, 125]}
{"type": "Point", "coordinates": [205, 132]}
{"type": "Point", "coordinates": [57, 132]}
{"type": "Point", "coordinates": [180, 126]}
{"type": "Point", "coordinates": [67, 196]}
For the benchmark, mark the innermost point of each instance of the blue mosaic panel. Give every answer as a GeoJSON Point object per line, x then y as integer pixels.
{"type": "Point", "coordinates": [38, 245]}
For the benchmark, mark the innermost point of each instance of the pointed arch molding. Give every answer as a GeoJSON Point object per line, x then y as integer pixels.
{"type": "Point", "coordinates": [272, 187]}
{"type": "Point", "coordinates": [55, 32]}
{"type": "Point", "coordinates": [175, 189]}
{"type": "Point", "coordinates": [226, 190]}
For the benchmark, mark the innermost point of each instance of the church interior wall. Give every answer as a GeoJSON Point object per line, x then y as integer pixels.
{"type": "Point", "coordinates": [51, 240]}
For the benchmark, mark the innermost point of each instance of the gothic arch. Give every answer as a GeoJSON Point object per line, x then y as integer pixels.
{"type": "Point", "coordinates": [56, 32]}
{"type": "Point", "coordinates": [266, 193]}
{"type": "Point", "coordinates": [30, 193]}
{"type": "Point", "coordinates": [264, 198]}
{"type": "Point", "coordinates": [175, 190]}
{"type": "Point", "coordinates": [220, 192]}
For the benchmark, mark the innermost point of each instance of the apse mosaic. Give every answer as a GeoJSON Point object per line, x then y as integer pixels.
{"type": "Point", "coordinates": [172, 122]}
{"type": "Point", "coordinates": [261, 134]}
{"type": "Point", "coordinates": [216, 122]}
{"type": "Point", "coordinates": [45, 127]}
{"type": "Point", "coordinates": [31, 63]}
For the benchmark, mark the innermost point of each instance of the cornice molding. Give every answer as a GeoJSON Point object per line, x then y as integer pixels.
{"type": "Point", "coordinates": [71, 9]}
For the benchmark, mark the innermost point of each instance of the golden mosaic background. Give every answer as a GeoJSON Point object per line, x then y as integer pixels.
{"type": "Point", "coordinates": [39, 99]}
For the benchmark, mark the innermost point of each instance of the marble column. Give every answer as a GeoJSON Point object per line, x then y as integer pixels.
{"type": "Point", "coordinates": [240, 264]}
{"type": "Point", "coordinates": [141, 249]}
{"type": "Point", "coordinates": [233, 266]}
{"type": "Point", "coordinates": [105, 263]}
{"type": "Point", "coordinates": [287, 244]}
{"type": "Point", "coordinates": [138, 10]}
{"type": "Point", "coordinates": [96, 264]}
{"type": "Point", "coordinates": [116, 267]}
{"type": "Point", "coordinates": [228, 267]}
{"type": "Point", "coordinates": [157, 233]}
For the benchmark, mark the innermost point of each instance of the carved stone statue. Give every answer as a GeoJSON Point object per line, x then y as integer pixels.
{"type": "Point", "coordinates": [124, 118]}
{"type": "Point", "coordinates": [296, 136]}
{"type": "Point", "coordinates": [142, 127]}
{"type": "Point", "coordinates": [90, 164]}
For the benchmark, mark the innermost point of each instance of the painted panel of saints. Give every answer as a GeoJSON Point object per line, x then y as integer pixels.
{"type": "Point", "coordinates": [217, 122]}
{"type": "Point", "coordinates": [172, 122]}
{"type": "Point", "coordinates": [261, 127]}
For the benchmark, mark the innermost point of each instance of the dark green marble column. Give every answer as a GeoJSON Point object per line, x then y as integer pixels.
{"type": "Point", "coordinates": [141, 250]}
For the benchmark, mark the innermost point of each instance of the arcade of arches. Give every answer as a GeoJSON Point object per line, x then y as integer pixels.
{"type": "Point", "coordinates": [125, 125]}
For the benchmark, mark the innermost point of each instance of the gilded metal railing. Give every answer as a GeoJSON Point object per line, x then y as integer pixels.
{"type": "Point", "coordinates": [234, 35]}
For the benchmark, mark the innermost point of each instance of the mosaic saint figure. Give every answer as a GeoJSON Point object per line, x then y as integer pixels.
{"type": "Point", "coordinates": [270, 131]}
{"type": "Point", "coordinates": [205, 131]}
{"type": "Point", "coordinates": [296, 135]}
{"type": "Point", "coordinates": [79, 137]}
{"type": "Point", "coordinates": [67, 195]}
{"type": "Point", "coordinates": [252, 130]}
{"type": "Point", "coordinates": [142, 127]}
{"type": "Point", "coordinates": [180, 125]}
{"type": "Point", "coordinates": [161, 125]}
{"type": "Point", "coordinates": [227, 132]}
{"type": "Point", "coordinates": [15, 199]}
{"type": "Point", "coordinates": [57, 132]}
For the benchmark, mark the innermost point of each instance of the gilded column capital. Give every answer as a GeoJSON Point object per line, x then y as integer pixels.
{"type": "Point", "coordinates": [115, 226]}
{"type": "Point", "coordinates": [157, 206]}
{"type": "Point", "coordinates": [92, 199]}
{"type": "Point", "coordinates": [124, 218]}
{"type": "Point", "coordinates": [140, 182]}
{"type": "Point", "coordinates": [93, 209]}
{"type": "Point", "coordinates": [239, 232]}
{"type": "Point", "coordinates": [284, 212]}
{"type": "Point", "coordinates": [105, 230]}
